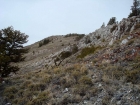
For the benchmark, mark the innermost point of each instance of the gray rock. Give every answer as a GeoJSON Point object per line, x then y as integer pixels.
{"type": "Point", "coordinates": [124, 41]}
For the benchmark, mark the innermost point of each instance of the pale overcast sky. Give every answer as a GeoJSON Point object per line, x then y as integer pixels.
{"type": "Point", "coordinates": [42, 18]}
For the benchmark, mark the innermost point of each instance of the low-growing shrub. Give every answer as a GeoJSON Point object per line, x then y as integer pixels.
{"type": "Point", "coordinates": [65, 54]}
{"type": "Point", "coordinates": [133, 75]}
{"type": "Point", "coordinates": [80, 89]}
{"type": "Point", "coordinates": [85, 80]}
{"type": "Point", "coordinates": [41, 99]}
{"type": "Point", "coordinates": [87, 50]}
{"type": "Point", "coordinates": [44, 42]}
{"type": "Point", "coordinates": [9, 92]}
{"type": "Point", "coordinates": [79, 36]}
{"type": "Point", "coordinates": [37, 87]}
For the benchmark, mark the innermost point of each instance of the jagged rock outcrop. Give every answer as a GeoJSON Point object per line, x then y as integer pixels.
{"type": "Point", "coordinates": [107, 35]}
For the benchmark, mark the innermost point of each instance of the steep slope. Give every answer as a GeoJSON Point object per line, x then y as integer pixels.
{"type": "Point", "coordinates": [103, 68]}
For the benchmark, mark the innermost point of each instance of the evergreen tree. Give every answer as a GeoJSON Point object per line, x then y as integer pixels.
{"type": "Point", "coordinates": [103, 25]}
{"type": "Point", "coordinates": [135, 8]}
{"type": "Point", "coordinates": [112, 21]}
{"type": "Point", "coordinates": [11, 50]}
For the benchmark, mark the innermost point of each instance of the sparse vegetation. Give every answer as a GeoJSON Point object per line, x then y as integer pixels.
{"type": "Point", "coordinates": [112, 21]}
{"type": "Point", "coordinates": [44, 42]}
{"type": "Point", "coordinates": [135, 8]}
{"type": "Point", "coordinates": [87, 40]}
{"type": "Point", "coordinates": [79, 36]}
{"type": "Point", "coordinates": [98, 37]}
{"type": "Point", "coordinates": [74, 74]}
{"type": "Point", "coordinates": [87, 50]}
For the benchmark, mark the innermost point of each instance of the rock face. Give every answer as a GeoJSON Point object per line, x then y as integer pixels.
{"type": "Point", "coordinates": [111, 33]}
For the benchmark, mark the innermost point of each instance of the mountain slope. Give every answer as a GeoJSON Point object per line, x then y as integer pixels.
{"type": "Point", "coordinates": [101, 68]}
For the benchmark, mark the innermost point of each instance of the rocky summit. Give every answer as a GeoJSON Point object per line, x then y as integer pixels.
{"type": "Point", "coordinates": [101, 68]}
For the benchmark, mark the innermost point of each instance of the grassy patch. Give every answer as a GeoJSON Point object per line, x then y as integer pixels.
{"type": "Point", "coordinates": [87, 50]}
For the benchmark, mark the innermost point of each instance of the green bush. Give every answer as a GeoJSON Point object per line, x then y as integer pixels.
{"type": "Point", "coordinates": [41, 99]}
{"type": "Point", "coordinates": [86, 51]}
{"type": "Point", "coordinates": [85, 80]}
{"type": "Point", "coordinates": [65, 54]}
{"type": "Point", "coordinates": [44, 42]}
{"type": "Point", "coordinates": [37, 87]}
{"type": "Point", "coordinates": [9, 92]}
{"type": "Point", "coordinates": [79, 36]}
{"type": "Point", "coordinates": [112, 21]}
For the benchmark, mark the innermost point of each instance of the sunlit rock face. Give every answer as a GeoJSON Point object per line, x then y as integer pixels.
{"type": "Point", "coordinates": [111, 33]}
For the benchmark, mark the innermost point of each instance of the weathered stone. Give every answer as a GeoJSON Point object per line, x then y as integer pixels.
{"type": "Point", "coordinates": [124, 41]}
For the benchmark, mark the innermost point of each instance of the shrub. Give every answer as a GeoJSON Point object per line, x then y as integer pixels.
{"type": "Point", "coordinates": [37, 87]}
{"type": "Point", "coordinates": [10, 92]}
{"type": "Point", "coordinates": [26, 84]}
{"type": "Point", "coordinates": [113, 72]}
{"type": "Point", "coordinates": [44, 42]}
{"type": "Point", "coordinates": [79, 36]}
{"type": "Point", "coordinates": [93, 91]}
{"type": "Point", "coordinates": [112, 21]}
{"type": "Point", "coordinates": [80, 89]}
{"type": "Point", "coordinates": [133, 76]}
{"type": "Point", "coordinates": [46, 79]}
{"type": "Point", "coordinates": [76, 75]}
{"type": "Point", "coordinates": [86, 51]}
{"type": "Point", "coordinates": [85, 80]}
{"type": "Point", "coordinates": [65, 54]}
{"type": "Point", "coordinates": [41, 99]}
{"type": "Point", "coordinates": [62, 44]}
{"type": "Point", "coordinates": [67, 81]}
{"type": "Point", "coordinates": [98, 37]}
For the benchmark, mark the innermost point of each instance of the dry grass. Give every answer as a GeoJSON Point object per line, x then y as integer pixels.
{"type": "Point", "coordinates": [41, 88]}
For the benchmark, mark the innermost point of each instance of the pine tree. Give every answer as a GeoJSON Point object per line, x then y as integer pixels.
{"type": "Point", "coordinates": [135, 8]}
{"type": "Point", "coordinates": [112, 21]}
{"type": "Point", "coordinates": [11, 50]}
{"type": "Point", "coordinates": [103, 25]}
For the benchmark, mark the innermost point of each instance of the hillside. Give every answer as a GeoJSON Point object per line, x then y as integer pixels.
{"type": "Point", "coordinates": [101, 68]}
